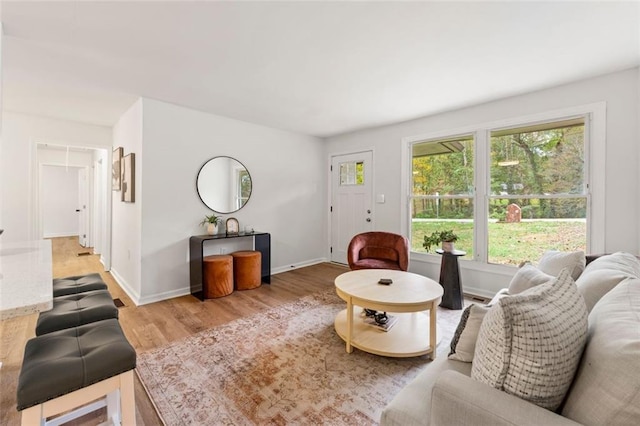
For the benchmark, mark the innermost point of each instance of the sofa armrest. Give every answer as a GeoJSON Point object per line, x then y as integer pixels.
{"type": "Point", "coordinates": [460, 400]}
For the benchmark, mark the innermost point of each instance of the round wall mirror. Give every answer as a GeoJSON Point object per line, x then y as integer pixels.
{"type": "Point", "coordinates": [224, 184]}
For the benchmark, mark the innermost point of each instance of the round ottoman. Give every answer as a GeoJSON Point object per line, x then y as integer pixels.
{"type": "Point", "coordinates": [218, 275]}
{"type": "Point", "coordinates": [246, 269]}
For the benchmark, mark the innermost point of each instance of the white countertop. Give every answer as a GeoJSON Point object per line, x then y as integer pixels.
{"type": "Point", "coordinates": [26, 278]}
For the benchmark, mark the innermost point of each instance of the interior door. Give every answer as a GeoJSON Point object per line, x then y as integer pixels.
{"type": "Point", "coordinates": [83, 200]}
{"type": "Point", "coordinates": [351, 193]}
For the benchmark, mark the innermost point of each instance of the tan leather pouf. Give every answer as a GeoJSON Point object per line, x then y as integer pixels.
{"type": "Point", "coordinates": [246, 269]}
{"type": "Point", "coordinates": [218, 276]}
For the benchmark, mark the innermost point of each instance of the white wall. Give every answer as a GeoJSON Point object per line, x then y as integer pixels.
{"type": "Point", "coordinates": [126, 217]}
{"type": "Point", "coordinates": [618, 90]}
{"type": "Point", "coordinates": [19, 169]}
{"type": "Point", "coordinates": [288, 198]}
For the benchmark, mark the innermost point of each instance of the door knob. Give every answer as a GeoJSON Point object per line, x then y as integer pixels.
{"type": "Point", "coordinates": [368, 219]}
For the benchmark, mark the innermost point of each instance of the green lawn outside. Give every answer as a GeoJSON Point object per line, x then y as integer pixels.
{"type": "Point", "coordinates": [509, 243]}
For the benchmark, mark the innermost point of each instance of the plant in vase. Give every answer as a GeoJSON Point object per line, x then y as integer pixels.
{"type": "Point", "coordinates": [446, 238]}
{"type": "Point", "coordinates": [211, 222]}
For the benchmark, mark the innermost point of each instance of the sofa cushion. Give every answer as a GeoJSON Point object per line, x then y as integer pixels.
{"type": "Point", "coordinates": [379, 252]}
{"type": "Point", "coordinates": [530, 343]}
{"type": "Point", "coordinates": [604, 273]}
{"type": "Point", "coordinates": [463, 343]}
{"type": "Point", "coordinates": [554, 261]}
{"type": "Point", "coordinates": [526, 277]}
{"type": "Point", "coordinates": [61, 362]}
{"type": "Point", "coordinates": [410, 407]}
{"type": "Point", "coordinates": [606, 389]}
{"type": "Point", "coordinates": [76, 309]}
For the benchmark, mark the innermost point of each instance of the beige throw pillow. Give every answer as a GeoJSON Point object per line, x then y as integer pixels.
{"type": "Point", "coordinates": [463, 344]}
{"type": "Point", "coordinates": [526, 277]}
{"type": "Point", "coordinates": [553, 261]}
{"type": "Point", "coordinates": [604, 273]}
{"type": "Point", "coordinates": [529, 344]}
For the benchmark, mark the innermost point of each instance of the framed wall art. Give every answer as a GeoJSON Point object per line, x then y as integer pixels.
{"type": "Point", "coordinates": [129, 178]}
{"type": "Point", "coordinates": [116, 172]}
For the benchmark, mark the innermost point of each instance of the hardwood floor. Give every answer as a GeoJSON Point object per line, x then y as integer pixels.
{"type": "Point", "coordinates": [150, 326]}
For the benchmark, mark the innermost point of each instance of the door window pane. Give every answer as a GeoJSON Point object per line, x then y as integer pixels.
{"type": "Point", "coordinates": [352, 173]}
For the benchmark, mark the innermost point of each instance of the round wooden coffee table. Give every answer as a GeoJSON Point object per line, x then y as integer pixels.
{"type": "Point", "coordinates": [408, 297]}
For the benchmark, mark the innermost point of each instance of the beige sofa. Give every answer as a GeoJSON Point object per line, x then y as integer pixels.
{"type": "Point", "coordinates": [605, 389]}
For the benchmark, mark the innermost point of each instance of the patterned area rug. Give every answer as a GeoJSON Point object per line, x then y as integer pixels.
{"type": "Point", "coordinates": [284, 367]}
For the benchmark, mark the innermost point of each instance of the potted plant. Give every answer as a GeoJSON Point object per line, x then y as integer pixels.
{"type": "Point", "coordinates": [211, 222]}
{"type": "Point", "coordinates": [446, 237]}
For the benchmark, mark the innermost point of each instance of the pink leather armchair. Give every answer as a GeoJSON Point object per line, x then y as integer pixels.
{"type": "Point", "coordinates": [378, 250]}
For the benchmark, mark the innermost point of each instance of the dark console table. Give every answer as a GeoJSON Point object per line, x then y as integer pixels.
{"type": "Point", "coordinates": [450, 279]}
{"type": "Point", "coordinates": [261, 243]}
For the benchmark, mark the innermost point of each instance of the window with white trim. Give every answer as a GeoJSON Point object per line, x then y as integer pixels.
{"type": "Point", "coordinates": [509, 193]}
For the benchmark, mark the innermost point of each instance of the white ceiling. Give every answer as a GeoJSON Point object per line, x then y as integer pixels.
{"type": "Point", "coordinates": [318, 68]}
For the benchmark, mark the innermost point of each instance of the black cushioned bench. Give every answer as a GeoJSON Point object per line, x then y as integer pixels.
{"type": "Point", "coordinates": [76, 309]}
{"type": "Point", "coordinates": [69, 368]}
{"type": "Point", "coordinates": [77, 284]}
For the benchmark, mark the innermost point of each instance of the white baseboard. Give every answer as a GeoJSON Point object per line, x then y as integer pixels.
{"type": "Point", "coordinates": [281, 269]}
{"type": "Point", "coordinates": [60, 235]}
{"type": "Point", "coordinates": [133, 295]}
{"type": "Point", "coordinates": [164, 296]}
{"type": "Point", "coordinates": [478, 292]}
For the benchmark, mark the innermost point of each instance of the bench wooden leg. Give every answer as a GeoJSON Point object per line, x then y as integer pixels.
{"type": "Point", "coordinates": [32, 416]}
{"type": "Point", "coordinates": [127, 399]}
{"type": "Point", "coordinates": [117, 390]}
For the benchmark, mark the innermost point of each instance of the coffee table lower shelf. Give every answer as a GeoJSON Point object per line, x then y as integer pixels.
{"type": "Point", "coordinates": [409, 337]}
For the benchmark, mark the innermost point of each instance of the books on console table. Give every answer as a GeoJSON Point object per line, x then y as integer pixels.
{"type": "Point", "coordinates": [391, 320]}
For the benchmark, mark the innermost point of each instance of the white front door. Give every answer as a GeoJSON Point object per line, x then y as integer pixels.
{"type": "Point", "coordinates": [351, 210]}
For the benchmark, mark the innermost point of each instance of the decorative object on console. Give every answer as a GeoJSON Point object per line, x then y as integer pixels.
{"type": "Point", "coordinates": [128, 178]}
{"type": "Point", "coordinates": [211, 222]}
{"type": "Point", "coordinates": [232, 226]}
{"type": "Point", "coordinates": [115, 168]}
{"type": "Point", "coordinates": [446, 237]}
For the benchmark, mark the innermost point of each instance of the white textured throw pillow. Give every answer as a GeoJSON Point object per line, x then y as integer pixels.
{"type": "Point", "coordinates": [526, 277]}
{"type": "Point", "coordinates": [553, 261]}
{"type": "Point", "coordinates": [463, 344]}
{"type": "Point", "coordinates": [530, 344]}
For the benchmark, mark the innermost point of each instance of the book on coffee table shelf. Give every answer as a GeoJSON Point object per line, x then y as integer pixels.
{"type": "Point", "coordinates": [391, 320]}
